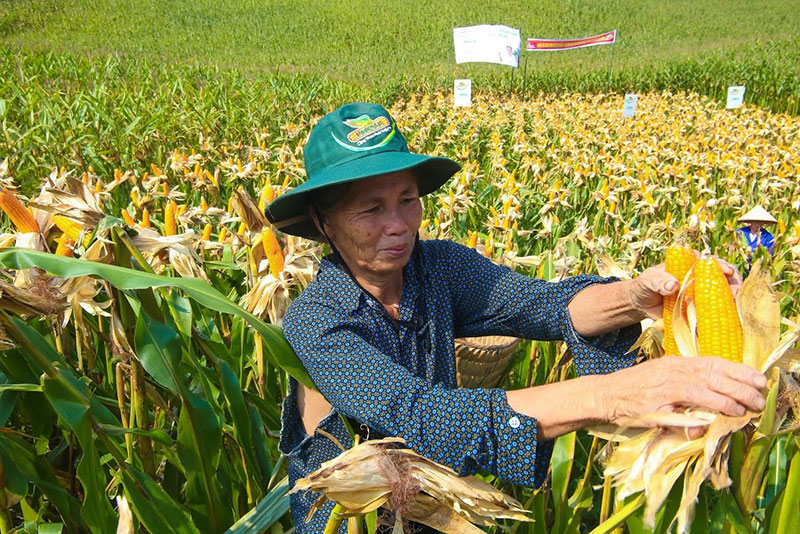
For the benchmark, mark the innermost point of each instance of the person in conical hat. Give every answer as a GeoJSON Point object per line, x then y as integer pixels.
{"type": "Point", "coordinates": [754, 234]}
{"type": "Point", "coordinates": [375, 328]}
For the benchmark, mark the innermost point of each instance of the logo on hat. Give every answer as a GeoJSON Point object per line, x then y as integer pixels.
{"type": "Point", "coordinates": [366, 128]}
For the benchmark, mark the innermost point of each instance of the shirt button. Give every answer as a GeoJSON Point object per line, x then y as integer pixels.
{"type": "Point", "coordinates": [514, 422]}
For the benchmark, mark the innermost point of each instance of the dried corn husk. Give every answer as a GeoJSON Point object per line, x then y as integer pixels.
{"type": "Point", "coordinates": [652, 460]}
{"type": "Point", "coordinates": [382, 473]}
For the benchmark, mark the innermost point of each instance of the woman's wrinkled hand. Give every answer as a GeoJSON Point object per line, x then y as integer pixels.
{"type": "Point", "coordinates": [648, 290]}
{"type": "Point", "coordinates": [671, 383]}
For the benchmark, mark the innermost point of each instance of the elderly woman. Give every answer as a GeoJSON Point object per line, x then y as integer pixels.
{"type": "Point", "coordinates": [375, 329]}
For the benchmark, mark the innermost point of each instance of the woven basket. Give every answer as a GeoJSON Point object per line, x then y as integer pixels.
{"type": "Point", "coordinates": [481, 361]}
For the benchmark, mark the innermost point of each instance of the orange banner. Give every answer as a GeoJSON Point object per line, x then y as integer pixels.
{"type": "Point", "coordinates": [535, 45]}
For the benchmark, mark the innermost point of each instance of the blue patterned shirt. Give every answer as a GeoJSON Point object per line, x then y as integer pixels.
{"type": "Point", "coordinates": [374, 371]}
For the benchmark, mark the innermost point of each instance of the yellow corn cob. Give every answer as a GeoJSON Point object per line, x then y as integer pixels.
{"type": "Point", "coordinates": [70, 228]}
{"type": "Point", "coordinates": [272, 249]}
{"type": "Point", "coordinates": [207, 232]}
{"type": "Point", "coordinates": [472, 240]}
{"type": "Point", "coordinates": [719, 330]}
{"type": "Point", "coordinates": [223, 232]}
{"type": "Point", "coordinates": [489, 246]}
{"type": "Point", "coordinates": [135, 197]}
{"type": "Point", "coordinates": [18, 214]}
{"type": "Point", "coordinates": [203, 204]}
{"type": "Point", "coordinates": [679, 261]}
{"type": "Point", "coordinates": [170, 227]}
{"type": "Point", "coordinates": [127, 218]}
{"type": "Point", "coordinates": [145, 218]}
{"type": "Point", "coordinates": [64, 247]}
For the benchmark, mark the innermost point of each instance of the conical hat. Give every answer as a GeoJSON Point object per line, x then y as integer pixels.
{"type": "Point", "coordinates": [758, 214]}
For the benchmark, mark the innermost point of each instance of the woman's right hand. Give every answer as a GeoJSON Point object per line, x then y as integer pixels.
{"type": "Point", "coordinates": [671, 383]}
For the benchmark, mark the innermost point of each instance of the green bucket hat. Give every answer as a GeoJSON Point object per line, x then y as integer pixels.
{"type": "Point", "coordinates": [354, 142]}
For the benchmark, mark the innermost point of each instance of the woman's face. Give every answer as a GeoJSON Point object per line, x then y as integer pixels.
{"type": "Point", "coordinates": [375, 224]}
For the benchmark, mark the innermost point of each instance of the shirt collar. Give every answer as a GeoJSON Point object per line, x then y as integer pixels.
{"type": "Point", "coordinates": [344, 292]}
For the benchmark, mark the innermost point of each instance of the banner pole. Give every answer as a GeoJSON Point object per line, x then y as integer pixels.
{"type": "Point", "coordinates": [524, 73]}
{"type": "Point", "coordinates": [611, 65]}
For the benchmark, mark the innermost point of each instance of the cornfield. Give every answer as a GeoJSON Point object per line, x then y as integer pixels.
{"type": "Point", "coordinates": [142, 366]}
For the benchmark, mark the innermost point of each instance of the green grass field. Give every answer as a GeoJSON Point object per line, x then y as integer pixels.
{"type": "Point", "coordinates": [115, 83]}
{"type": "Point", "coordinates": [385, 43]}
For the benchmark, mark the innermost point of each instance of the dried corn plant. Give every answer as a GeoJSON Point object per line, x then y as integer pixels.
{"type": "Point", "coordinates": [384, 473]}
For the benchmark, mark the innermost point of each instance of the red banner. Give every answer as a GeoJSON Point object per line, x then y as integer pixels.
{"type": "Point", "coordinates": [538, 45]}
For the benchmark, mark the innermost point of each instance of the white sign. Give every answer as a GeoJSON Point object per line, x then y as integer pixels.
{"type": "Point", "coordinates": [462, 93]}
{"type": "Point", "coordinates": [629, 107]}
{"type": "Point", "coordinates": [487, 43]}
{"type": "Point", "coordinates": [735, 96]}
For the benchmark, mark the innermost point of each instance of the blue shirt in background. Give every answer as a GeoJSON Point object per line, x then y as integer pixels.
{"type": "Point", "coordinates": [763, 238]}
{"type": "Point", "coordinates": [374, 371]}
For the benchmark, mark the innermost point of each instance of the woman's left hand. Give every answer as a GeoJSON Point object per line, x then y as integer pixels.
{"type": "Point", "coordinates": [649, 288]}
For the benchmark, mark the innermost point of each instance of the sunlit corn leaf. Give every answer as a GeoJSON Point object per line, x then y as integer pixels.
{"type": "Point", "coordinates": [280, 352]}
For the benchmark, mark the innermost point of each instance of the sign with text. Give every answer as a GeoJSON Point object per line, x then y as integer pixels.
{"type": "Point", "coordinates": [487, 43]}
{"type": "Point", "coordinates": [542, 45]}
{"type": "Point", "coordinates": [735, 96]}
{"type": "Point", "coordinates": [629, 105]}
{"type": "Point", "coordinates": [462, 93]}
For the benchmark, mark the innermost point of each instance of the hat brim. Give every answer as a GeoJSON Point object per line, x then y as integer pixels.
{"type": "Point", "coordinates": [289, 212]}
{"type": "Point", "coordinates": [756, 219]}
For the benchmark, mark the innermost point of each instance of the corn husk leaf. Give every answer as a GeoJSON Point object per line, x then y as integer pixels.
{"type": "Point", "coordinates": [760, 310]}
{"type": "Point", "coordinates": [381, 472]}
{"type": "Point", "coordinates": [651, 341]}
{"type": "Point", "coordinates": [684, 327]}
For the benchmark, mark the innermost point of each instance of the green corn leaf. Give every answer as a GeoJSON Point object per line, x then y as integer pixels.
{"type": "Point", "coordinates": [784, 516]}
{"type": "Point", "coordinates": [265, 514]}
{"type": "Point", "coordinates": [232, 391]}
{"type": "Point", "coordinates": [278, 349]}
{"type": "Point", "coordinates": [199, 448]}
{"type": "Point", "coordinates": [260, 447]}
{"type": "Point", "coordinates": [14, 480]}
{"type": "Point", "coordinates": [156, 435]}
{"type": "Point", "coordinates": [73, 408]}
{"type": "Point", "coordinates": [618, 517]}
{"type": "Point", "coordinates": [39, 472]}
{"type": "Point", "coordinates": [561, 465]}
{"type": "Point", "coordinates": [152, 506]}
{"type": "Point", "coordinates": [756, 459]}
{"type": "Point", "coordinates": [159, 350]}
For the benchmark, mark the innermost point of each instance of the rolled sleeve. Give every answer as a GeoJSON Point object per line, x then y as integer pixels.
{"type": "Point", "coordinates": [507, 303]}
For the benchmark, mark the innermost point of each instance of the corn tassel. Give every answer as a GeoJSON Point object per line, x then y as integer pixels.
{"type": "Point", "coordinates": [272, 250]}
{"type": "Point", "coordinates": [719, 330]}
{"type": "Point", "coordinates": [679, 261]}
{"type": "Point", "coordinates": [18, 213]}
